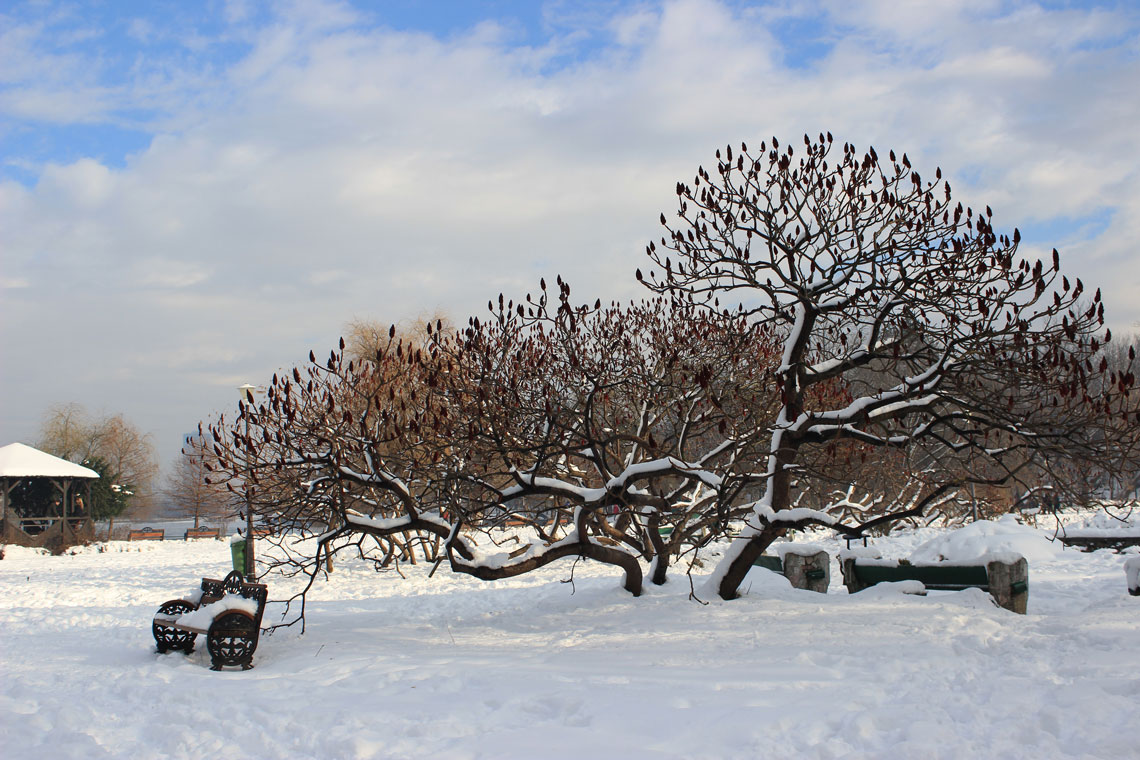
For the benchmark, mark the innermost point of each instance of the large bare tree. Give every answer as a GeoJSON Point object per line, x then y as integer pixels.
{"type": "Point", "coordinates": [823, 316]}
{"type": "Point", "coordinates": [869, 272]}
{"type": "Point", "coordinates": [621, 434]}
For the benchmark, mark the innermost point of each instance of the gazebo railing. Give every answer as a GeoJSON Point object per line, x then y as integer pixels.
{"type": "Point", "coordinates": [34, 525]}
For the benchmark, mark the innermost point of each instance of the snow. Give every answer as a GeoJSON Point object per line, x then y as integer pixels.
{"type": "Point", "coordinates": [453, 667]}
{"type": "Point", "coordinates": [982, 540]}
{"type": "Point", "coordinates": [204, 616]}
{"type": "Point", "coordinates": [18, 460]}
{"type": "Point", "coordinates": [1106, 525]}
{"type": "Point", "coordinates": [385, 523]}
{"type": "Point", "coordinates": [886, 590]}
{"type": "Point", "coordinates": [1122, 532]}
{"type": "Point", "coordinates": [616, 483]}
{"type": "Point", "coordinates": [860, 552]}
{"type": "Point", "coordinates": [799, 548]}
{"type": "Point", "coordinates": [641, 469]}
{"type": "Point", "coordinates": [586, 495]}
{"type": "Point", "coordinates": [1132, 573]}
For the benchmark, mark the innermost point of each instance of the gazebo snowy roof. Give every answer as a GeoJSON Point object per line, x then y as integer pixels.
{"type": "Point", "coordinates": [18, 460]}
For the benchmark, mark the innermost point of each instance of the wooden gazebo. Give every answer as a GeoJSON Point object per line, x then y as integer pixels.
{"type": "Point", "coordinates": [65, 518]}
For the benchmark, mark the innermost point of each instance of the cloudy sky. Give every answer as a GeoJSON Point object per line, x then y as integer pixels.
{"type": "Point", "coordinates": [193, 195]}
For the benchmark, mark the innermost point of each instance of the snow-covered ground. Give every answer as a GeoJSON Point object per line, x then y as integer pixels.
{"type": "Point", "coordinates": [451, 667]}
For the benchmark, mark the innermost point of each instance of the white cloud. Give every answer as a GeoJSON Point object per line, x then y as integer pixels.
{"type": "Point", "coordinates": [340, 170]}
{"type": "Point", "coordinates": [164, 273]}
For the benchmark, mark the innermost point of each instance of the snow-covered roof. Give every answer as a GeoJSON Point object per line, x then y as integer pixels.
{"type": "Point", "coordinates": [18, 460]}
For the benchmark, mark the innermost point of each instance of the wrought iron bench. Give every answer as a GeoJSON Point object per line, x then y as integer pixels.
{"type": "Point", "coordinates": [1007, 581]}
{"type": "Point", "coordinates": [228, 612]}
{"type": "Point", "coordinates": [146, 534]}
{"type": "Point", "coordinates": [202, 533]}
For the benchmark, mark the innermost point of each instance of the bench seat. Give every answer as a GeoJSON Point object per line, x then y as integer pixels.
{"type": "Point", "coordinates": [200, 619]}
{"type": "Point", "coordinates": [1005, 578]}
{"type": "Point", "coordinates": [1100, 539]}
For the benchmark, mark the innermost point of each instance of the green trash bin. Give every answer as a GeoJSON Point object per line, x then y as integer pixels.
{"type": "Point", "coordinates": [237, 551]}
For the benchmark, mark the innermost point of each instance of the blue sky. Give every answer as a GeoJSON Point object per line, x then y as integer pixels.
{"type": "Point", "coordinates": [193, 195]}
{"type": "Point", "coordinates": [131, 50]}
{"type": "Point", "coordinates": [123, 44]}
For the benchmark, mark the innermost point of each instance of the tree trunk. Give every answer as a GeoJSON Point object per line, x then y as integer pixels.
{"type": "Point", "coordinates": [780, 497]}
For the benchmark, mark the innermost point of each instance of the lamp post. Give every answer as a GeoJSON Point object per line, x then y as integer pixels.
{"type": "Point", "coordinates": [246, 392]}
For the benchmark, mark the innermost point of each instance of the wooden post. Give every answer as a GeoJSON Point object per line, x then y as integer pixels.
{"type": "Point", "coordinates": [808, 571]}
{"type": "Point", "coordinates": [1009, 584]}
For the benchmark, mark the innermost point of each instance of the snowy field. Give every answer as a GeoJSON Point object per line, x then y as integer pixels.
{"type": "Point", "coordinates": [451, 667]}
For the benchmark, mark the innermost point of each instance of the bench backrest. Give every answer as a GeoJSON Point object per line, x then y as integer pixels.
{"type": "Point", "coordinates": [214, 589]}
{"type": "Point", "coordinates": [943, 577]}
{"type": "Point", "coordinates": [202, 533]}
{"type": "Point", "coordinates": [1005, 578]}
{"type": "Point", "coordinates": [146, 534]}
{"type": "Point", "coordinates": [769, 562]}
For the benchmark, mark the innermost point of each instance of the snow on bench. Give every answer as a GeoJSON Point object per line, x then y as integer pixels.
{"type": "Point", "coordinates": [1005, 576]}
{"type": "Point", "coordinates": [1091, 539]}
{"type": "Point", "coordinates": [199, 620]}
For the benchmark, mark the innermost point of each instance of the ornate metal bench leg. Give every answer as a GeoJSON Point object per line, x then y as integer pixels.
{"type": "Point", "coordinates": [232, 640]}
{"type": "Point", "coordinates": [169, 639]}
